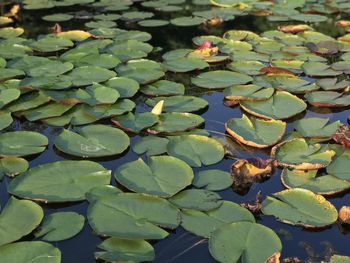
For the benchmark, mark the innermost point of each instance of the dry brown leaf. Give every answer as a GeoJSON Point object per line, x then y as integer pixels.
{"type": "Point", "coordinates": [343, 23]}
{"type": "Point", "coordinates": [275, 258]}
{"type": "Point", "coordinates": [344, 215]}
{"type": "Point", "coordinates": [342, 136]}
{"type": "Point", "coordinates": [276, 71]}
{"type": "Point", "coordinates": [294, 28]}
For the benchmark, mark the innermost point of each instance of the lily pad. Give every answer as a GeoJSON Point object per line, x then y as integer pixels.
{"type": "Point", "coordinates": [60, 181]}
{"type": "Point", "coordinates": [185, 64]}
{"type": "Point", "coordinates": [92, 141]}
{"type": "Point", "coordinates": [133, 216]}
{"type": "Point", "coordinates": [212, 180]}
{"type": "Point", "coordinates": [30, 251]}
{"type": "Point", "coordinates": [316, 127]}
{"type": "Point", "coordinates": [19, 218]}
{"type": "Point", "coordinates": [163, 88]}
{"type": "Point", "coordinates": [256, 132]}
{"type": "Point", "coordinates": [174, 122]}
{"type": "Point", "coordinates": [13, 166]}
{"type": "Point", "coordinates": [60, 226]}
{"type": "Point", "coordinates": [328, 99]}
{"type": "Point", "coordinates": [197, 199]}
{"type": "Point", "coordinates": [187, 21]}
{"type": "Point", "coordinates": [164, 176]}
{"type": "Point", "coordinates": [219, 79]}
{"type": "Point", "coordinates": [203, 223]}
{"type": "Point", "coordinates": [196, 149]}
{"type": "Point", "coordinates": [22, 143]}
{"type": "Point", "coordinates": [323, 185]}
{"type": "Point", "coordinates": [126, 87]}
{"type": "Point", "coordinates": [117, 249]}
{"type": "Point", "coordinates": [135, 123]}
{"type": "Point", "coordinates": [340, 166]}
{"type": "Point", "coordinates": [151, 145]}
{"type": "Point", "coordinates": [179, 103]}
{"type": "Point", "coordinates": [87, 75]}
{"type": "Point", "coordinates": [281, 105]}
{"type": "Point", "coordinates": [298, 154]}
{"type": "Point", "coordinates": [250, 92]}
{"type": "Point", "coordinates": [300, 207]}
{"type": "Point", "coordinates": [253, 243]}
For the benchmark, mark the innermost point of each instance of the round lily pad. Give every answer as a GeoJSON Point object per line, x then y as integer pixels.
{"type": "Point", "coordinates": [281, 105]}
{"type": "Point", "coordinates": [112, 216]}
{"type": "Point", "coordinates": [92, 141]}
{"type": "Point", "coordinates": [150, 145]}
{"type": "Point", "coordinates": [126, 87]}
{"type": "Point", "coordinates": [135, 122]}
{"type": "Point", "coordinates": [298, 154]}
{"type": "Point", "coordinates": [13, 166]}
{"type": "Point", "coordinates": [323, 185]}
{"type": "Point", "coordinates": [213, 180]}
{"type": "Point", "coordinates": [57, 17]}
{"type": "Point", "coordinates": [250, 92]}
{"type": "Point", "coordinates": [187, 21]}
{"type": "Point", "coordinates": [184, 64]}
{"type": "Point", "coordinates": [179, 103]}
{"type": "Point", "coordinates": [316, 127]}
{"type": "Point", "coordinates": [164, 176]}
{"type": "Point", "coordinates": [300, 207]}
{"type": "Point", "coordinates": [163, 88]}
{"type": "Point", "coordinates": [328, 99]}
{"type": "Point", "coordinates": [86, 75]}
{"type": "Point", "coordinates": [196, 149]}
{"type": "Point", "coordinates": [219, 79]}
{"type": "Point", "coordinates": [22, 143]}
{"type": "Point", "coordinates": [203, 223]}
{"type": "Point", "coordinates": [60, 226]}
{"type": "Point", "coordinates": [153, 23]}
{"type": "Point", "coordinates": [252, 242]}
{"type": "Point", "coordinates": [60, 181]}
{"type": "Point", "coordinates": [256, 132]}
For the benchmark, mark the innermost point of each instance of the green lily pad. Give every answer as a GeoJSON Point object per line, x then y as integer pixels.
{"type": "Point", "coordinates": [28, 101]}
{"type": "Point", "coordinates": [174, 122]}
{"type": "Point", "coordinates": [60, 226]}
{"type": "Point", "coordinates": [185, 64]}
{"type": "Point", "coordinates": [60, 181]}
{"type": "Point", "coordinates": [246, 67]}
{"type": "Point", "coordinates": [332, 84]}
{"type": "Point", "coordinates": [102, 191]}
{"type": "Point", "coordinates": [212, 180]}
{"type": "Point", "coordinates": [163, 88]}
{"type": "Point", "coordinates": [179, 103]}
{"type": "Point", "coordinates": [319, 69]}
{"type": "Point", "coordinates": [316, 127]}
{"type": "Point", "coordinates": [203, 223]}
{"type": "Point", "coordinates": [187, 21]}
{"type": "Point", "coordinates": [281, 105]}
{"type": "Point", "coordinates": [51, 43]}
{"type": "Point", "coordinates": [19, 218]}
{"type": "Point", "coordinates": [126, 87]}
{"type": "Point", "coordinates": [92, 141]}
{"type": "Point", "coordinates": [253, 243]}
{"type": "Point", "coordinates": [87, 75]}
{"type": "Point", "coordinates": [197, 199]}
{"type": "Point", "coordinates": [150, 145]}
{"type": "Point", "coordinates": [250, 92]}
{"type": "Point", "coordinates": [5, 119]}
{"type": "Point", "coordinates": [133, 216]}
{"type": "Point", "coordinates": [9, 73]}
{"type": "Point", "coordinates": [22, 143]}
{"type": "Point", "coordinates": [298, 154]}
{"type": "Point", "coordinates": [196, 149]}
{"type": "Point", "coordinates": [328, 99]}
{"type": "Point", "coordinates": [256, 132]}
{"type": "Point", "coordinates": [11, 32]}
{"type": "Point", "coordinates": [30, 251]}
{"type": "Point", "coordinates": [323, 185]}
{"type": "Point", "coordinates": [117, 249]}
{"type": "Point", "coordinates": [135, 123]}
{"type": "Point", "coordinates": [300, 207]}
{"type": "Point", "coordinates": [8, 95]}
{"type": "Point", "coordinates": [340, 166]}
{"type": "Point", "coordinates": [130, 49]}
{"type": "Point", "coordinates": [338, 259]}
{"type": "Point", "coordinates": [52, 109]}
{"type": "Point", "coordinates": [164, 176]}
{"type": "Point", "coordinates": [57, 17]}
{"type": "Point", "coordinates": [153, 23]}
{"type": "Point", "coordinates": [219, 79]}
{"type": "Point", "coordinates": [50, 83]}
{"type": "Point", "coordinates": [13, 166]}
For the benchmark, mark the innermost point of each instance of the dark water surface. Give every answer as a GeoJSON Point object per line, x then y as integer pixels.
{"type": "Point", "coordinates": [181, 246]}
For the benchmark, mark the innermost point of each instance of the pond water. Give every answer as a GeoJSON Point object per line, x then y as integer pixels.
{"type": "Point", "coordinates": [182, 246]}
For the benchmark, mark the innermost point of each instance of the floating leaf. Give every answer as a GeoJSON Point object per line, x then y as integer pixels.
{"type": "Point", "coordinates": [163, 88]}
{"type": "Point", "coordinates": [255, 132]}
{"type": "Point", "coordinates": [300, 207]}
{"type": "Point", "coordinates": [328, 99]}
{"type": "Point", "coordinates": [297, 154]}
{"type": "Point", "coordinates": [164, 176]}
{"type": "Point", "coordinates": [185, 64]}
{"type": "Point", "coordinates": [60, 181]}
{"type": "Point", "coordinates": [60, 226]}
{"type": "Point", "coordinates": [117, 249]}
{"type": "Point", "coordinates": [179, 103]}
{"type": "Point", "coordinates": [248, 92]}
{"type": "Point", "coordinates": [213, 180]}
{"type": "Point", "coordinates": [196, 149]}
{"type": "Point", "coordinates": [324, 184]}
{"type": "Point", "coordinates": [316, 127]}
{"type": "Point", "coordinates": [132, 216]}
{"type": "Point", "coordinates": [203, 223]}
{"type": "Point", "coordinates": [197, 199]}
{"type": "Point", "coordinates": [135, 123]}
{"type": "Point", "coordinates": [22, 143]}
{"type": "Point", "coordinates": [281, 105]}
{"type": "Point", "coordinates": [30, 251]}
{"type": "Point", "coordinates": [13, 166]}
{"type": "Point", "coordinates": [92, 141]}
{"type": "Point", "coordinates": [151, 145]}
{"type": "Point", "coordinates": [252, 242]}
{"type": "Point", "coordinates": [19, 218]}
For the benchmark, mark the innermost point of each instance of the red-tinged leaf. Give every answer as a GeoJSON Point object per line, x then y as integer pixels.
{"type": "Point", "coordinates": [342, 136]}
{"type": "Point", "coordinates": [343, 23]}
{"type": "Point", "coordinates": [56, 29]}
{"type": "Point", "coordinates": [276, 70]}
{"type": "Point", "coordinates": [206, 44]}
{"type": "Point", "coordinates": [294, 28]}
